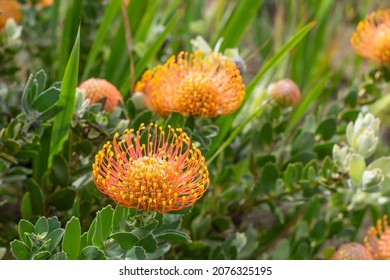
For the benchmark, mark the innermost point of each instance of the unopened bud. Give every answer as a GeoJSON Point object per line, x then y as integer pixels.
{"type": "Point", "coordinates": [372, 178]}
{"type": "Point", "coordinates": [341, 157]}
{"type": "Point", "coordinates": [362, 135]}
{"type": "Point", "coordinates": [139, 101]}
{"type": "Point", "coordinates": [285, 93]}
{"type": "Point", "coordinates": [352, 251]}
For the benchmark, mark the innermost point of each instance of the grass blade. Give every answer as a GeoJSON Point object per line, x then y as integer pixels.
{"type": "Point", "coordinates": [67, 99]}
{"type": "Point", "coordinates": [243, 14]}
{"type": "Point", "coordinates": [104, 28]}
{"type": "Point", "coordinates": [72, 19]}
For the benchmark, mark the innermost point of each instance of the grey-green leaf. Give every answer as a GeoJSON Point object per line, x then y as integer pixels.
{"type": "Point", "coordinates": [71, 241]}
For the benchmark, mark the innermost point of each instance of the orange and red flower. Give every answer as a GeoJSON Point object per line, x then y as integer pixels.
{"type": "Point", "coordinates": [195, 84]}
{"type": "Point", "coordinates": [377, 240]}
{"type": "Point", "coordinates": [371, 39]}
{"type": "Point", "coordinates": [166, 173]}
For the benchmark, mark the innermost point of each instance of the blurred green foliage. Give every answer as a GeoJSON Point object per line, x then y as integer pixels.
{"type": "Point", "coordinates": [277, 190]}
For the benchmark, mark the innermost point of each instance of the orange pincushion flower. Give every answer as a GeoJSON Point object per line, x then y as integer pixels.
{"type": "Point", "coordinates": [377, 240]}
{"type": "Point", "coordinates": [99, 89]}
{"type": "Point", "coordinates": [9, 9]}
{"type": "Point", "coordinates": [372, 37]}
{"type": "Point", "coordinates": [195, 84]}
{"type": "Point", "coordinates": [45, 3]}
{"type": "Point", "coordinates": [352, 251]}
{"type": "Point", "coordinates": [165, 174]}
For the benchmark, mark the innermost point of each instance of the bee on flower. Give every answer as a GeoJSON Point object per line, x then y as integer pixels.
{"type": "Point", "coordinates": [377, 240]}
{"type": "Point", "coordinates": [193, 84]}
{"type": "Point", "coordinates": [371, 39]}
{"type": "Point", "coordinates": [163, 173]}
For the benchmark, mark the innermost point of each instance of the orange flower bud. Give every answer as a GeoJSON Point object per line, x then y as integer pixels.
{"type": "Point", "coordinates": [98, 90]}
{"type": "Point", "coordinates": [352, 251]}
{"type": "Point", "coordinates": [285, 93]}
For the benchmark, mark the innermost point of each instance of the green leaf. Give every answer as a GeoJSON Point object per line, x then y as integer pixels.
{"type": "Point", "coordinates": [136, 253]}
{"type": "Point", "coordinates": [11, 147]}
{"type": "Point", "coordinates": [84, 240]}
{"type": "Point", "coordinates": [53, 223]}
{"type": "Point", "coordinates": [71, 240]}
{"type": "Point", "coordinates": [40, 77]}
{"type": "Point", "coordinates": [174, 235]}
{"type": "Point", "coordinates": [59, 256]}
{"type": "Point", "coordinates": [357, 165]}
{"type": "Point", "coordinates": [55, 237]}
{"type": "Point", "coordinates": [26, 96]}
{"type": "Point", "coordinates": [382, 163]}
{"type": "Point", "coordinates": [25, 207]}
{"type": "Point", "coordinates": [69, 30]}
{"type": "Point", "coordinates": [200, 226]}
{"type": "Point", "coordinates": [268, 178]}
{"type": "Point", "coordinates": [125, 239]}
{"type": "Point", "coordinates": [62, 199]}
{"type": "Point", "coordinates": [327, 128]}
{"type": "Point", "coordinates": [40, 162]}
{"type": "Point", "coordinates": [103, 226]}
{"type": "Point", "coordinates": [43, 255]}
{"type": "Point", "coordinates": [42, 226]}
{"type": "Point", "coordinates": [92, 253]}
{"type": "Point", "coordinates": [303, 142]}
{"type": "Point", "coordinates": [149, 243]}
{"type": "Point", "coordinates": [91, 231]}
{"type": "Point", "coordinates": [36, 197]}
{"type": "Point", "coordinates": [142, 232]}
{"type": "Point", "coordinates": [46, 99]}
{"type": "Point", "coordinates": [244, 12]}
{"type": "Point", "coordinates": [50, 113]}
{"type": "Point", "coordinates": [119, 218]}
{"type": "Point", "coordinates": [61, 171]}
{"type": "Point", "coordinates": [159, 252]}
{"type": "Point", "coordinates": [67, 100]}
{"type": "Point", "coordinates": [25, 227]}
{"type": "Point", "coordinates": [324, 150]}
{"type": "Point", "coordinates": [266, 134]}
{"type": "Point", "coordinates": [20, 250]}
{"type": "Point", "coordinates": [282, 250]}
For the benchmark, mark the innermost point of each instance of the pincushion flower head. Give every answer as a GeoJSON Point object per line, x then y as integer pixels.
{"type": "Point", "coordinates": [371, 39]}
{"type": "Point", "coordinates": [352, 251]}
{"type": "Point", "coordinates": [193, 84]}
{"type": "Point", "coordinates": [9, 9]}
{"type": "Point", "coordinates": [163, 173]}
{"type": "Point", "coordinates": [377, 240]}
{"type": "Point", "coordinates": [97, 90]}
